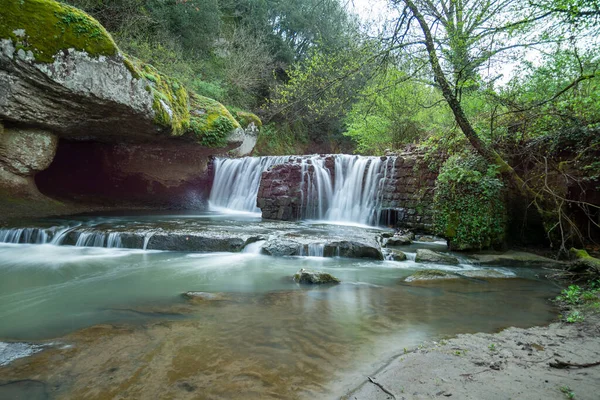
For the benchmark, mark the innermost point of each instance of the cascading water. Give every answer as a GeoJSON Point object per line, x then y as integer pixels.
{"type": "Point", "coordinates": [237, 180]}
{"type": "Point", "coordinates": [351, 193]}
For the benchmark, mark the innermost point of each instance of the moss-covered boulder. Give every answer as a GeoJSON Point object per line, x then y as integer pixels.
{"type": "Point", "coordinates": [583, 261]}
{"type": "Point", "coordinates": [314, 277]}
{"type": "Point", "coordinates": [61, 70]}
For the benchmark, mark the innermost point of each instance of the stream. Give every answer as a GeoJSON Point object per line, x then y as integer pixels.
{"type": "Point", "coordinates": [99, 307]}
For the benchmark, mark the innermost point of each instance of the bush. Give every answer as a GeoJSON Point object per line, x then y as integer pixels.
{"type": "Point", "coordinates": [469, 209]}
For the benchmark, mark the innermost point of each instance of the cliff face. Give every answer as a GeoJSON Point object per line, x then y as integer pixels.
{"type": "Point", "coordinates": [64, 80]}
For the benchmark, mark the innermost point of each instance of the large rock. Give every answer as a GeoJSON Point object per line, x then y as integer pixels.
{"type": "Point", "coordinates": [430, 275]}
{"type": "Point", "coordinates": [353, 249]}
{"type": "Point", "coordinates": [23, 153]}
{"type": "Point", "coordinates": [433, 257]}
{"type": "Point", "coordinates": [61, 70]}
{"type": "Point", "coordinates": [62, 74]}
{"type": "Point", "coordinates": [398, 241]}
{"type": "Point", "coordinates": [314, 277]}
{"type": "Point", "coordinates": [516, 259]}
{"type": "Point", "coordinates": [281, 247]}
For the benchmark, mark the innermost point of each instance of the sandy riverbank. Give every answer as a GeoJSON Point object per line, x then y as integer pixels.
{"type": "Point", "coordinates": [512, 364]}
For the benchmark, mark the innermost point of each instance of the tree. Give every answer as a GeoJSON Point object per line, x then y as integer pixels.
{"type": "Point", "coordinates": [446, 53]}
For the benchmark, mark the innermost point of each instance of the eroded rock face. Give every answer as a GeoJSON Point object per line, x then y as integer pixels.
{"type": "Point", "coordinates": [280, 192]}
{"type": "Point", "coordinates": [23, 153]}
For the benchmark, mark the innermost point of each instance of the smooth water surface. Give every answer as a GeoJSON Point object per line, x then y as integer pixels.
{"type": "Point", "coordinates": [314, 337]}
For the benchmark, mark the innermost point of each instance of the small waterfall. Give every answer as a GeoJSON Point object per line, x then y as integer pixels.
{"type": "Point", "coordinates": [24, 235]}
{"type": "Point", "coordinates": [254, 248]}
{"type": "Point", "coordinates": [317, 192]}
{"type": "Point", "coordinates": [147, 238]}
{"type": "Point", "coordinates": [349, 189]}
{"type": "Point", "coordinates": [355, 196]}
{"type": "Point", "coordinates": [316, 249]}
{"type": "Point", "coordinates": [237, 181]}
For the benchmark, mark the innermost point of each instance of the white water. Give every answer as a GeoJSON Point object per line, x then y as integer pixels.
{"type": "Point", "coordinates": [236, 182]}
{"type": "Point", "coordinates": [352, 194]}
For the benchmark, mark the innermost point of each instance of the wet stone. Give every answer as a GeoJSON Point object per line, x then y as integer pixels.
{"type": "Point", "coordinates": [305, 276]}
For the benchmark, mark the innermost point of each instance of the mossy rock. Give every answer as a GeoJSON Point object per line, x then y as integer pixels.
{"type": "Point", "coordinates": [44, 27]}
{"type": "Point", "coordinates": [582, 260]}
{"type": "Point", "coordinates": [170, 99]}
{"type": "Point", "coordinates": [314, 277]}
{"type": "Point", "coordinates": [210, 121]}
{"type": "Point", "coordinates": [246, 118]}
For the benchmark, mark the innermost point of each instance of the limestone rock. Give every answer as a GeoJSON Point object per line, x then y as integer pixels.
{"type": "Point", "coordinates": [398, 241]}
{"type": "Point", "coordinates": [484, 273]}
{"type": "Point", "coordinates": [516, 259]}
{"type": "Point", "coordinates": [353, 249]}
{"type": "Point", "coordinates": [429, 275]}
{"type": "Point", "coordinates": [24, 152]}
{"type": "Point", "coordinates": [314, 277]}
{"type": "Point", "coordinates": [430, 256]}
{"type": "Point", "coordinates": [281, 247]}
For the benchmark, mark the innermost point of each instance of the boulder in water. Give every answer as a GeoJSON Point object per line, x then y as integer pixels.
{"type": "Point", "coordinates": [314, 277]}
{"type": "Point", "coordinates": [395, 255]}
{"type": "Point", "coordinates": [429, 275]}
{"type": "Point", "coordinates": [430, 256]}
{"type": "Point", "coordinates": [353, 249]}
{"type": "Point", "coordinates": [398, 241]}
{"type": "Point", "coordinates": [281, 247]}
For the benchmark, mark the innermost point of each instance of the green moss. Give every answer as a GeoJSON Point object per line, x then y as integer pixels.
{"type": "Point", "coordinates": [429, 273]}
{"type": "Point", "coordinates": [469, 207]}
{"type": "Point", "coordinates": [210, 121]}
{"type": "Point", "coordinates": [171, 101]}
{"type": "Point", "coordinates": [45, 27]}
{"type": "Point", "coordinates": [246, 118]}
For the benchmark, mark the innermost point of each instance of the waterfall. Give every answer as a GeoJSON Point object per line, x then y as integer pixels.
{"type": "Point", "coordinates": [349, 191]}
{"type": "Point", "coordinates": [236, 182]}
{"type": "Point", "coordinates": [355, 195]}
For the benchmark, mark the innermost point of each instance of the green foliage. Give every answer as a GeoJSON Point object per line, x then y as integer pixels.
{"type": "Point", "coordinates": [45, 27]}
{"type": "Point", "coordinates": [279, 139]}
{"type": "Point", "coordinates": [571, 296]}
{"type": "Point", "coordinates": [469, 208]}
{"type": "Point", "coordinates": [390, 113]}
{"type": "Point", "coordinates": [569, 394]}
{"type": "Point", "coordinates": [575, 316]}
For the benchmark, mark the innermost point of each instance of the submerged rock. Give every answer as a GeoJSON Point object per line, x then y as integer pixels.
{"type": "Point", "coordinates": [201, 297]}
{"type": "Point", "coordinates": [429, 275]}
{"type": "Point", "coordinates": [314, 277]}
{"type": "Point", "coordinates": [516, 259]}
{"type": "Point", "coordinates": [484, 273]}
{"type": "Point", "coordinates": [430, 256]}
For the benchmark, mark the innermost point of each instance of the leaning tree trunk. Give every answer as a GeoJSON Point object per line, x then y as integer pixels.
{"type": "Point", "coordinates": [489, 154]}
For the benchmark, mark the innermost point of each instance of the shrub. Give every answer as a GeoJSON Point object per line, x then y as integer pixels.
{"type": "Point", "coordinates": [469, 207]}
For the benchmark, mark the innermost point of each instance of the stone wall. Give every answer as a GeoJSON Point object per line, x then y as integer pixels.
{"type": "Point", "coordinates": [408, 194]}
{"type": "Point", "coordinates": [407, 198]}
